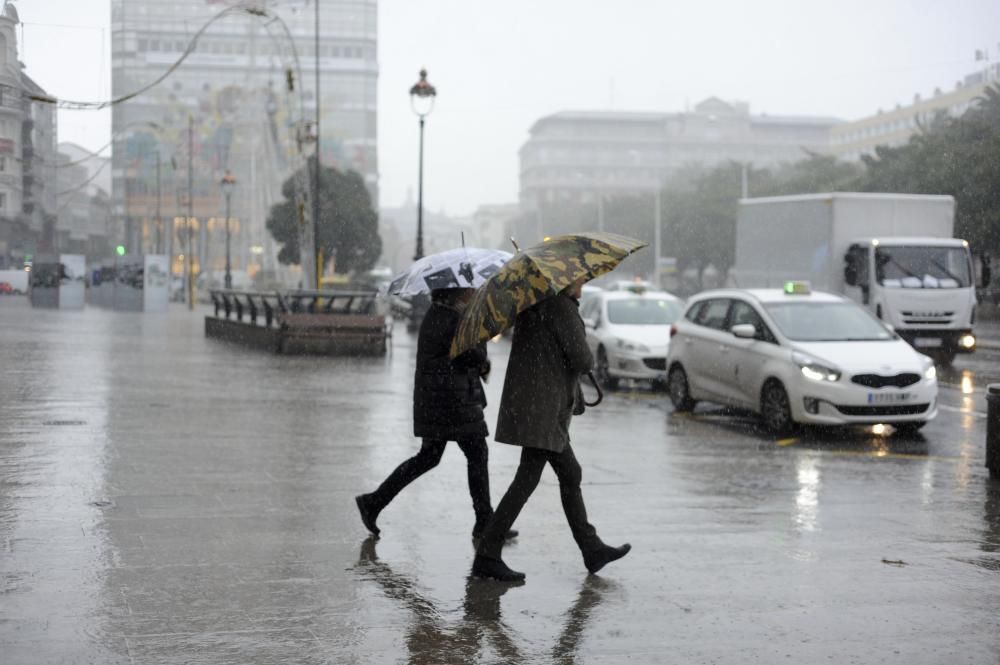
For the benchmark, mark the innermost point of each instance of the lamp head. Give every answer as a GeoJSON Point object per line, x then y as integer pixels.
{"type": "Point", "coordinates": [422, 95]}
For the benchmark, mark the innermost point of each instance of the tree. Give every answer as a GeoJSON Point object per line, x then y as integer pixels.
{"type": "Point", "coordinates": [348, 224]}
{"type": "Point", "coordinates": [817, 173]}
{"type": "Point", "coordinates": [956, 156]}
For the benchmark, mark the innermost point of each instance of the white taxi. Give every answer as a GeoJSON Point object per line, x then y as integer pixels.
{"type": "Point", "coordinates": [628, 332]}
{"type": "Point", "coordinates": [796, 356]}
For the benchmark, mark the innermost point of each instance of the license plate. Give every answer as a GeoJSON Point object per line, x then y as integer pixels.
{"type": "Point", "coordinates": [927, 342]}
{"type": "Point", "coordinates": [888, 398]}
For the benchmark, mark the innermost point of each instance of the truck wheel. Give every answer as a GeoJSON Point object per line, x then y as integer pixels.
{"type": "Point", "coordinates": [775, 407]}
{"type": "Point", "coordinates": [910, 427]}
{"type": "Point", "coordinates": [603, 372]}
{"type": "Point", "coordinates": [677, 386]}
{"type": "Point", "coordinates": [944, 358]}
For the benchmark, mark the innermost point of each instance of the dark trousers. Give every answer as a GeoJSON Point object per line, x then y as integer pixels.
{"type": "Point", "coordinates": [529, 472]}
{"type": "Point", "coordinates": [431, 450]}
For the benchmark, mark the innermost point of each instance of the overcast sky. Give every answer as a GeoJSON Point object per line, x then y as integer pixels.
{"type": "Point", "coordinates": [499, 67]}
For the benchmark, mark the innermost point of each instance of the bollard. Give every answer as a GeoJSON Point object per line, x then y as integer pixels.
{"type": "Point", "coordinates": [993, 429]}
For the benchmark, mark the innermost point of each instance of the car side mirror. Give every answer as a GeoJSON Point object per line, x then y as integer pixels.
{"type": "Point", "coordinates": [744, 330]}
{"type": "Point", "coordinates": [590, 322]}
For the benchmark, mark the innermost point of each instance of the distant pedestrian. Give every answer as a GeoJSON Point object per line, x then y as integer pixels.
{"type": "Point", "coordinates": [448, 402]}
{"type": "Point", "coordinates": [541, 393]}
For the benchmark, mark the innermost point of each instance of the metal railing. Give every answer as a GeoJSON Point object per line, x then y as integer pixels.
{"type": "Point", "coordinates": [270, 305]}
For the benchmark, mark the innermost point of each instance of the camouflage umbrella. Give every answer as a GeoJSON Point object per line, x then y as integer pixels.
{"type": "Point", "coordinates": [534, 274]}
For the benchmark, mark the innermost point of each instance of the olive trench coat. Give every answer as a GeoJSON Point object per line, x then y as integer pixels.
{"type": "Point", "coordinates": [541, 391]}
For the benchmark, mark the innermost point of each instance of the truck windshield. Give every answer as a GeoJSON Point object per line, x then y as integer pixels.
{"type": "Point", "coordinates": [826, 322]}
{"type": "Point", "coordinates": [643, 311]}
{"type": "Point", "coordinates": [913, 267]}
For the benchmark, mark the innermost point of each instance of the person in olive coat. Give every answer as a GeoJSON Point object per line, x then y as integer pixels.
{"type": "Point", "coordinates": [448, 402]}
{"type": "Point", "coordinates": [541, 393]}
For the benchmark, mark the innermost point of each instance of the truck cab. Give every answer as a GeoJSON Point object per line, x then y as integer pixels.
{"type": "Point", "coordinates": [924, 287]}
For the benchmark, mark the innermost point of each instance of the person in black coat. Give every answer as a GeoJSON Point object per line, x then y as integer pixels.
{"type": "Point", "coordinates": [541, 394]}
{"type": "Point", "coordinates": [448, 402]}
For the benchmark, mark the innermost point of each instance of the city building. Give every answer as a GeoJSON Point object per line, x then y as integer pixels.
{"type": "Point", "coordinates": [28, 197]}
{"type": "Point", "coordinates": [494, 223]}
{"type": "Point", "coordinates": [84, 212]}
{"type": "Point", "coordinates": [583, 156]}
{"type": "Point", "coordinates": [895, 127]}
{"type": "Point", "coordinates": [250, 103]}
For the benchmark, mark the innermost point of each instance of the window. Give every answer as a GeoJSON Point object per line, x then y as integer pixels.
{"type": "Point", "coordinates": [713, 314]}
{"type": "Point", "coordinates": [693, 311]}
{"type": "Point", "coordinates": [643, 311]}
{"type": "Point", "coordinates": [743, 313]}
{"type": "Point", "coordinates": [827, 322]}
{"type": "Point", "coordinates": [3, 201]}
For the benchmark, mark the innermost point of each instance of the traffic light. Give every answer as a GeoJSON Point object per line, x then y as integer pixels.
{"type": "Point", "coordinates": [120, 250]}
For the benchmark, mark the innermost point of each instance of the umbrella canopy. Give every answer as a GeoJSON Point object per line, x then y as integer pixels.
{"type": "Point", "coordinates": [462, 268]}
{"type": "Point", "coordinates": [537, 273]}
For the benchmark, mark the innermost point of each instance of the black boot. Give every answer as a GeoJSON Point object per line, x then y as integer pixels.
{"type": "Point", "coordinates": [477, 531]}
{"type": "Point", "coordinates": [494, 569]}
{"type": "Point", "coordinates": [602, 556]}
{"type": "Point", "coordinates": [368, 513]}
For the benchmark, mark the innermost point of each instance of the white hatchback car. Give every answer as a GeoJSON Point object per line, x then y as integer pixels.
{"type": "Point", "coordinates": [629, 332]}
{"type": "Point", "coordinates": [798, 357]}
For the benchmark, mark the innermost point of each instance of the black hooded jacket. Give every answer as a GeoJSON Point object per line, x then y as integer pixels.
{"type": "Point", "coordinates": [448, 395]}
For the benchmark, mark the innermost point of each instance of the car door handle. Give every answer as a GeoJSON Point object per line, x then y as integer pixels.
{"type": "Point", "coordinates": [723, 348]}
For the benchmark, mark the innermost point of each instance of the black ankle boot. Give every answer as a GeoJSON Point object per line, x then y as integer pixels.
{"type": "Point", "coordinates": [494, 569]}
{"type": "Point", "coordinates": [368, 515]}
{"type": "Point", "coordinates": [477, 532]}
{"type": "Point", "coordinates": [602, 556]}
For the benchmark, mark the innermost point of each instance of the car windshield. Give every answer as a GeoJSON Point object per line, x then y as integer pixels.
{"type": "Point", "coordinates": [912, 267]}
{"type": "Point", "coordinates": [644, 311]}
{"type": "Point", "coordinates": [826, 322]}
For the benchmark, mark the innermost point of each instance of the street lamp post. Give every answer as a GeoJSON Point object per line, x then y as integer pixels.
{"type": "Point", "coordinates": [228, 184]}
{"type": "Point", "coordinates": [422, 96]}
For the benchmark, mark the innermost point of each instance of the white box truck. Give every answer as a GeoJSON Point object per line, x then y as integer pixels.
{"type": "Point", "coordinates": [893, 253]}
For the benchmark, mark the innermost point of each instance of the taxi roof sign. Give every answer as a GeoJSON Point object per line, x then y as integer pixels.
{"type": "Point", "coordinates": [797, 288]}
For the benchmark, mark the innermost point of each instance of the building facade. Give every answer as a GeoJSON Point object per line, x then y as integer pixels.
{"type": "Point", "coordinates": [852, 140]}
{"type": "Point", "coordinates": [248, 100]}
{"type": "Point", "coordinates": [84, 212]}
{"type": "Point", "coordinates": [28, 134]}
{"type": "Point", "coordinates": [583, 156]}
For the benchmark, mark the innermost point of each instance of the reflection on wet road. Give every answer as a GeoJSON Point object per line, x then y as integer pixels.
{"type": "Point", "coordinates": [168, 499]}
{"type": "Point", "coordinates": [476, 631]}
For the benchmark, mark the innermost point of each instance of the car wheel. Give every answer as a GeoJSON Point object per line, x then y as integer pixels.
{"type": "Point", "coordinates": [910, 427]}
{"type": "Point", "coordinates": [677, 386]}
{"type": "Point", "coordinates": [604, 371]}
{"type": "Point", "coordinates": [775, 407]}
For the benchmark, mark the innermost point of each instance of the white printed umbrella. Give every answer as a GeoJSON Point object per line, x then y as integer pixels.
{"type": "Point", "coordinates": [461, 268]}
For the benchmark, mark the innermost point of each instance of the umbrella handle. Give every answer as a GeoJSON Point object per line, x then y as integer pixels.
{"type": "Point", "coordinates": [597, 387]}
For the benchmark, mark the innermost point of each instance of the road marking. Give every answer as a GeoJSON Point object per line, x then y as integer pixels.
{"type": "Point", "coordinates": [787, 442]}
{"type": "Point", "coordinates": [955, 409]}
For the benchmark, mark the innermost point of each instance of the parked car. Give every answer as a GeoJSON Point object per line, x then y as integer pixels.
{"type": "Point", "coordinates": [796, 356]}
{"type": "Point", "coordinates": [629, 333]}
{"type": "Point", "coordinates": [6, 289]}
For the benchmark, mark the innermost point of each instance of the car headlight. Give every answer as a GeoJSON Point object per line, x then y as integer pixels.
{"type": "Point", "coordinates": [814, 369]}
{"type": "Point", "coordinates": [626, 345]}
{"type": "Point", "coordinates": [931, 372]}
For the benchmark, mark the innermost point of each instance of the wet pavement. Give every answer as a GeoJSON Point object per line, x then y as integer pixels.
{"type": "Point", "coordinates": [170, 499]}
